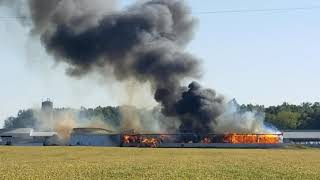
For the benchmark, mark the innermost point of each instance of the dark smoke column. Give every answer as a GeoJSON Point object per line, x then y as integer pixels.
{"type": "Point", "coordinates": [145, 42]}
{"type": "Point", "coordinates": [199, 108]}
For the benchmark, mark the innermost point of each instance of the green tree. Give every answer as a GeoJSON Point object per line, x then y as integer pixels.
{"type": "Point", "coordinates": [285, 119]}
{"type": "Point", "coordinates": [24, 119]}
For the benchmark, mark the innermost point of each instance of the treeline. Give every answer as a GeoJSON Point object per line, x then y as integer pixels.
{"type": "Point", "coordinates": [32, 118]}
{"type": "Point", "coordinates": [284, 116]}
{"type": "Point", "coordinates": [24, 119]}
{"type": "Point", "coordinates": [289, 116]}
{"type": "Point", "coordinates": [108, 117]}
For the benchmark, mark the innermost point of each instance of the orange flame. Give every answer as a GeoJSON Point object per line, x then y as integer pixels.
{"type": "Point", "coordinates": [141, 141]}
{"type": "Point", "coordinates": [130, 139]}
{"type": "Point", "coordinates": [150, 142]}
{"type": "Point", "coordinates": [252, 138]}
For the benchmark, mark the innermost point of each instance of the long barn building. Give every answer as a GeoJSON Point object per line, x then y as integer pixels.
{"type": "Point", "coordinates": [303, 137]}
{"type": "Point", "coordinates": [103, 137]}
{"type": "Point", "coordinates": [27, 137]}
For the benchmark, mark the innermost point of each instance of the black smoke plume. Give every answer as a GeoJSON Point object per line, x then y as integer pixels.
{"type": "Point", "coordinates": [199, 108]}
{"type": "Point", "coordinates": [145, 41]}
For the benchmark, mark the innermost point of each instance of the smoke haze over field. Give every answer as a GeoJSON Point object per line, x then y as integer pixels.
{"type": "Point", "coordinates": [145, 42]}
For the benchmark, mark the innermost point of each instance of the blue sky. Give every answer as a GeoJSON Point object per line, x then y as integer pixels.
{"type": "Point", "coordinates": [257, 57]}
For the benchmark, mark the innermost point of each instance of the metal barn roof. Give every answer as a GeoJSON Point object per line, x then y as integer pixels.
{"type": "Point", "coordinates": [24, 132]}
{"type": "Point", "coordinates": [15, 131]}
{"type": "Point", "coordinates": [91, 131]}
{"type": "Point", "coordinates": [37, 134]}
{"type": "Point", "coordinates": [304, 134]}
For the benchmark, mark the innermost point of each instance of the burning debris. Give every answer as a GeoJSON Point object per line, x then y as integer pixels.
{"type": "Point", "coordinates": [145, 42]}
{"type": "Point", "coordinates": [141, 140]}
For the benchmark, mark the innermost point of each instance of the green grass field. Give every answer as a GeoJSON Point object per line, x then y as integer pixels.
{"type": "Point", "coordinates": [148, 163]}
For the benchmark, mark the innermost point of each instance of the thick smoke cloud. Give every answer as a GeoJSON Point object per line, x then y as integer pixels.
{"type": "Point", "coordinates": [145, 42]}
{"type": "Point", "coordinates": [199, 108]}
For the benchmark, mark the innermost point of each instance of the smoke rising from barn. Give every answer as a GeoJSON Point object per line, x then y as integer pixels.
{"type": "Point", "coordinates": [199, 108]}
{"type": "Point", "coordinates": [145, 42]}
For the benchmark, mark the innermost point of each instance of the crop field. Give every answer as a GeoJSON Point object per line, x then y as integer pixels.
{"type": "Point", "coordinates": [149, 163]}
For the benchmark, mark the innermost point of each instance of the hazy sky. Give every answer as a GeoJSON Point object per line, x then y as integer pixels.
{"type": "Point", "coordinates": [256, 57]}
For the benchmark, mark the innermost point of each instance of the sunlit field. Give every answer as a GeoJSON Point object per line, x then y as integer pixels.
{"type": "Point", "coordinates": [149, 163]}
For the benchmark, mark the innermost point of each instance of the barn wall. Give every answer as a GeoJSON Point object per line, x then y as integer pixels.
{"type": "Point", "coordinates": [95, 140]}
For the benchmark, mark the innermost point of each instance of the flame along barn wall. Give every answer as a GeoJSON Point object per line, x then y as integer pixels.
{"type": "Point", "coordinates": [195, 140]}
{"type": "Point", "coordinates": [253, 138]}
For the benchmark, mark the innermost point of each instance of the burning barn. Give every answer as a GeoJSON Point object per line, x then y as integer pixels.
{"type": "Point", "coordinates": [145, 44]}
